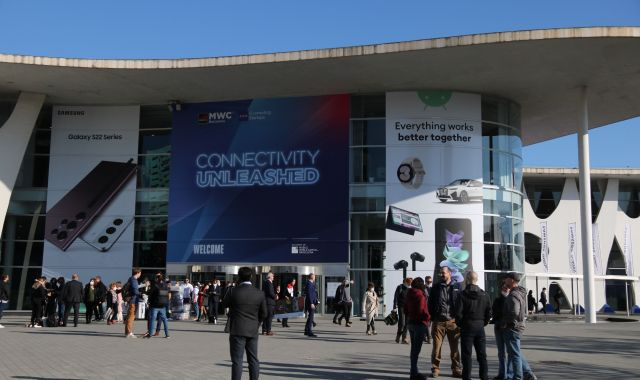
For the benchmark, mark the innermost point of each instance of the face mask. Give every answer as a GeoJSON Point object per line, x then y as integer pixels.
{"type": "Point", "coordinates": [505, 293]}
{"type": "Point", "coordinates": [91, 283]}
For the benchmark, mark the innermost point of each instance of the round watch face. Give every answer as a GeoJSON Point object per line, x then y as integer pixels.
{"type": "Point", "coordinates": [405, 173]}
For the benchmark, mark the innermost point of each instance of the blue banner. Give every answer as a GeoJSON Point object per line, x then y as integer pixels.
{"type": "Point", "coordinates": [260, 181]}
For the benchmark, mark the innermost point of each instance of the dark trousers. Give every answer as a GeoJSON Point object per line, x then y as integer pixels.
{"type": "Point", "coordinates": [213, 310]}
{"type": "Point", "coordinates": [98, 311]}
{"type": "Point", "coordinates": [266, 324]}
{"type": "Point", "coordinates": [76, 311]}
{"type": "Point", "coordinates": [308, 327]}
{"type": "Point", "coordinates": [402, 322]}
{"type": "Point", "coordinates": [88, 314]}
{"type": "Point", "coordinates": [417, 331]}
{"type": "Point", "coordinates": [36, 314]}
{"type": "Point", "coordinates": [346, 311]}
{"type": "Point", "coordinates": [237, 346]}
{"type": "Point", "coordinates": [472, 336]}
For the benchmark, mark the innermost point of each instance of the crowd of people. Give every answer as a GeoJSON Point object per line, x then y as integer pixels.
{"type": "Point", "coordinates": [429, 313]}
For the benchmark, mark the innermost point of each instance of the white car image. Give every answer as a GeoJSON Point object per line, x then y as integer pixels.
{"type": "Point", "coordinates": [461, 190]}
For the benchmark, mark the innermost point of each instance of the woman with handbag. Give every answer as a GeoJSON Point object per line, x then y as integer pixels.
{"type": "Point", "coordinates": [370, 308]}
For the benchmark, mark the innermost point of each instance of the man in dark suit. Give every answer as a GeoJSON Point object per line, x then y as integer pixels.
{"type": "Point", "coordinates": [72, 295]}
{"type": "Point", "coordinates": [270, 296]}
{"type": "Point", "coordinates": [310, 303]}
{"type": "Point", "coordinates": [247, 308]}
{"type": "Point", "coordinates": [214, 300]}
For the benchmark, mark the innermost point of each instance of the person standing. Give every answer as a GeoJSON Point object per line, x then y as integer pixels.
{"type": "Point", "coordinates": [72, 296]}
{"type": "Point", "coordinates": [370, 308]}
{"type": "Point", "coordinates": [442, 303]}
{"type": "Point", "coordinates": [134, 298]}
{"type": "Point", "coordinates": [270, 296]}
{"type": "Point", "coordinates": [5, 294]}
{"type": "Point", "coordinates": [417, 319]}
{"type": "Point", "coordinates": [60, 300]}
{"type": "Point", "coordinates": [473, 312]}
{"type": "Point", "coordinates": [247, 309]}
{"type": "Point", "coordinates": [543, 300]}
{"type": "Point", "coordinates": [310, 304]}
{"type": "Point", "coordinates": [398, 304]}
{"type": "Point", "coordinates": [101, 297]}
{"type": "Point", "coordinates": [158, 301]}
{"type": "Point", "coordinates": [531, 301]}
{"type": "Point", "coordinates": [513, 323]}
{"type": "Point", "coordinates": [557, 298]}
{"type": "Point", "coordinates": [288, 293]}
{"type": "Point", "coordinates": [38, 297]}
{"type": "Point", "coordinates": [428, 284]}
{"type": "Point", "coordinates": [195, 309]}
{"type": "Point", "coordinates": [187, 295]}
{"type": "Point", "coordinates": [89, 299]}
{"type": "Point", "coordinates": [214, 301]}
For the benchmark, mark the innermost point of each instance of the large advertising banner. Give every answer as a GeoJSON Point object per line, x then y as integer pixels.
{"type": "Point", "coordinates": [434, 184]}
{"type": "Point", "coordinates": [92, 192]}
{"type": "Point", "coordinates": [260, 181]}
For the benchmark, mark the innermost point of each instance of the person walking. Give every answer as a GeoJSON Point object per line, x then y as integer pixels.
{"type": "Point", "coordinates": [543, 300]}
{"type": "Point", "coordinates": [417, 320]}
{"type": "Point", "coordinates": [158, 300]}
{"type": "Point", "coordinates": [370, 308]}
{"type": "Point", "coordinates": [247, 309]}
{"type": "Point", "coordinates": [270, 296]}
{"type": "Point", "coordinates": [5, 295]}
{"type": "Point", "coordinates": [89, 299]}
{"type": "Point", "coordinates": [557, 298]}
{"type": "Point", "coordinates": [133, 294]}
{"type": "Point", "coordinates": [398, 304]}
{"type": "Point", "coordinates": [531, 302]}
{"type": "Point", "coordinates": [310, 304]}
{"type": "Point", "coordinates": [345, 303]}
{"type": "Point", "coordinates": [38, 297]}
{"type": "Point", "coordinates": [442, 303]}
{"type": "Point", "coordinates": [214, 301]}
{"type": "Point", "coordinates": [289, 293]}
{"type": "Point", "coordinates": [473, 313]}
{"type": "Point", "coordinates": [72, 294]}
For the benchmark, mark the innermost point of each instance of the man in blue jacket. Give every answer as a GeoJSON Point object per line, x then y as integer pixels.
{"type": "Point", "coordinates": [310, 303]}
{"type": "Point", "coordinates": [134, 294]}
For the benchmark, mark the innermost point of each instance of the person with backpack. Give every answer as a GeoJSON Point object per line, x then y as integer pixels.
{"type": "Point", "coordinates": [158, 300]}
{"type": "Point", "coordinates": [398, 305]}
{"type": "Point", "coordinates": [131, 294]}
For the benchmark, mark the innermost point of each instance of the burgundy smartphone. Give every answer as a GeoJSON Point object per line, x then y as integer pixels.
{"type": "Point", "coordinates": [77, 209]}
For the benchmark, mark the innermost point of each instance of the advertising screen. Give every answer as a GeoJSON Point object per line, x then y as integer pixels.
{"type": "Point", "coordinates": [260, 181]}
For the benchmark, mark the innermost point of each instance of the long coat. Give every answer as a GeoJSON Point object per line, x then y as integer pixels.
{"type": "Point", "coordinates": [370, 305]}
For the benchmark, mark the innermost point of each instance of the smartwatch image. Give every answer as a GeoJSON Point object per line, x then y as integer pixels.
{"type": "Point", "coordinates": [411, 173]}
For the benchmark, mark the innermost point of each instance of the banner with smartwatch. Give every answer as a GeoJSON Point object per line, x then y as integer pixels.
{"type": "Point", "coordinates": [434, 183]}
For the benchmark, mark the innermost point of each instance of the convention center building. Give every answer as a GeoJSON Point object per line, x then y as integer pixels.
{"type": "Point", "coordinates": [372, 162]}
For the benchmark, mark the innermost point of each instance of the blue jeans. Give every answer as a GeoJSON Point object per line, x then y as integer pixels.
{"type": "Point", "coordinates": [61, 308]}
{"type": "Point", "coordinates": [161, 313]}
{"type": "Point", "coordinates": [417, 332]}
{"type": "Point", "coordinates": [514, 358]}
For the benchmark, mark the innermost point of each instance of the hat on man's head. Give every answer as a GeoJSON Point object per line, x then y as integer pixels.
{"type": "Point", "coordinates": [514, 276]}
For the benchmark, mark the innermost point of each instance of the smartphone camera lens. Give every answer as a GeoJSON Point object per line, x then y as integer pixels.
{"type": "Point", "coordinates": [72, 225]}
{"type": "Point", "coordinates": [63, 222]}
{"type": "Point", "coordinates": [111, 230]}
{"type": "Point", "coordinates": [118, 221]}
{"type": "Point", "coordinates": [80, 216]}
{"type": "Point", "coordinates": [54, 231]}
{"type": "Point", "coordinates": [103, 239]}
{"type": "Point", "coordinates": [62, 235]}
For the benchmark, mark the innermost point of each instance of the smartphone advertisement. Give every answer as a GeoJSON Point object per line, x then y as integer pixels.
{"type": "Point", "coordinates": [91, 194]}
{"type": "Point", "coordinates": [260, 181]}
{"type": "Point", "coordinates": [434, 184]}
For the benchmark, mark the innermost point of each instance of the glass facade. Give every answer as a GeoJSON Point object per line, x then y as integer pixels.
{"type": "Point", "coordinates": [21, 245]}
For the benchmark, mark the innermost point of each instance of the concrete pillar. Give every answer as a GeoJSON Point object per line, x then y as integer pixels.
{"type": "Point", "coordinates": [585, 210]}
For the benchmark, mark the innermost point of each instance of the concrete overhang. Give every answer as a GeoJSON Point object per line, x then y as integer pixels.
{"type": "Point", "coordinates": [542, 70]}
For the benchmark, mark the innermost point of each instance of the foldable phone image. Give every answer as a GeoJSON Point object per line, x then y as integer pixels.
{"type": "Point", "coordinates": [403, 221]}
{"type": "Point", "coordinates": [453, 246]}
{"type": "Point", "coordinates": [75, 212]}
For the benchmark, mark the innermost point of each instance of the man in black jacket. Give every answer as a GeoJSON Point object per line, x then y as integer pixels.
{"type": "Point", "coordinates": [270, 296]}
{"type": "Point", "coordinates": [442, 301]}
{"type": "Point", "coordinates": [398, 305]}
{"type": "Point", "coordinates": [247, 309]}
{"type": "Point", "coordinates": [72, 295]}
{"type": "Point", "coordinates": [214, 300]}
{"type": "Point", "coordinates": [473, 312]}
{"type": "Point", "coordinates": [101, 298]}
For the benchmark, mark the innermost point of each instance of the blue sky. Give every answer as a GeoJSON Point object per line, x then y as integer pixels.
{"type": "Point", "coordinates": [181, 29]}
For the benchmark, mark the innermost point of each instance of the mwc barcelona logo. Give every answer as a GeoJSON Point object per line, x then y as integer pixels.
{"type": "Point", "coordinates": [434, 98]}
{"type": "Point", "coordinates": [215, 117]}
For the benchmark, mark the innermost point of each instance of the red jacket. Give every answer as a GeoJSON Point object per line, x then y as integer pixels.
{"type": "Point", "coordinates": [415, 307]}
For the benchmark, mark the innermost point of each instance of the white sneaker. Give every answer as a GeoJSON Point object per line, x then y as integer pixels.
{"type": "Point", "coordinates": [130, 336]}
{"type": "Point", "coordinates": [1, 326]}
{"type": "Point", "coordinates": [37, 326]}
{"type": "Point", "coordinates": [215, 321]}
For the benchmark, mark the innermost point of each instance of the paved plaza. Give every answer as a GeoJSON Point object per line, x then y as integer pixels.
{"type": "Point", "coordinates": [556, 349]}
